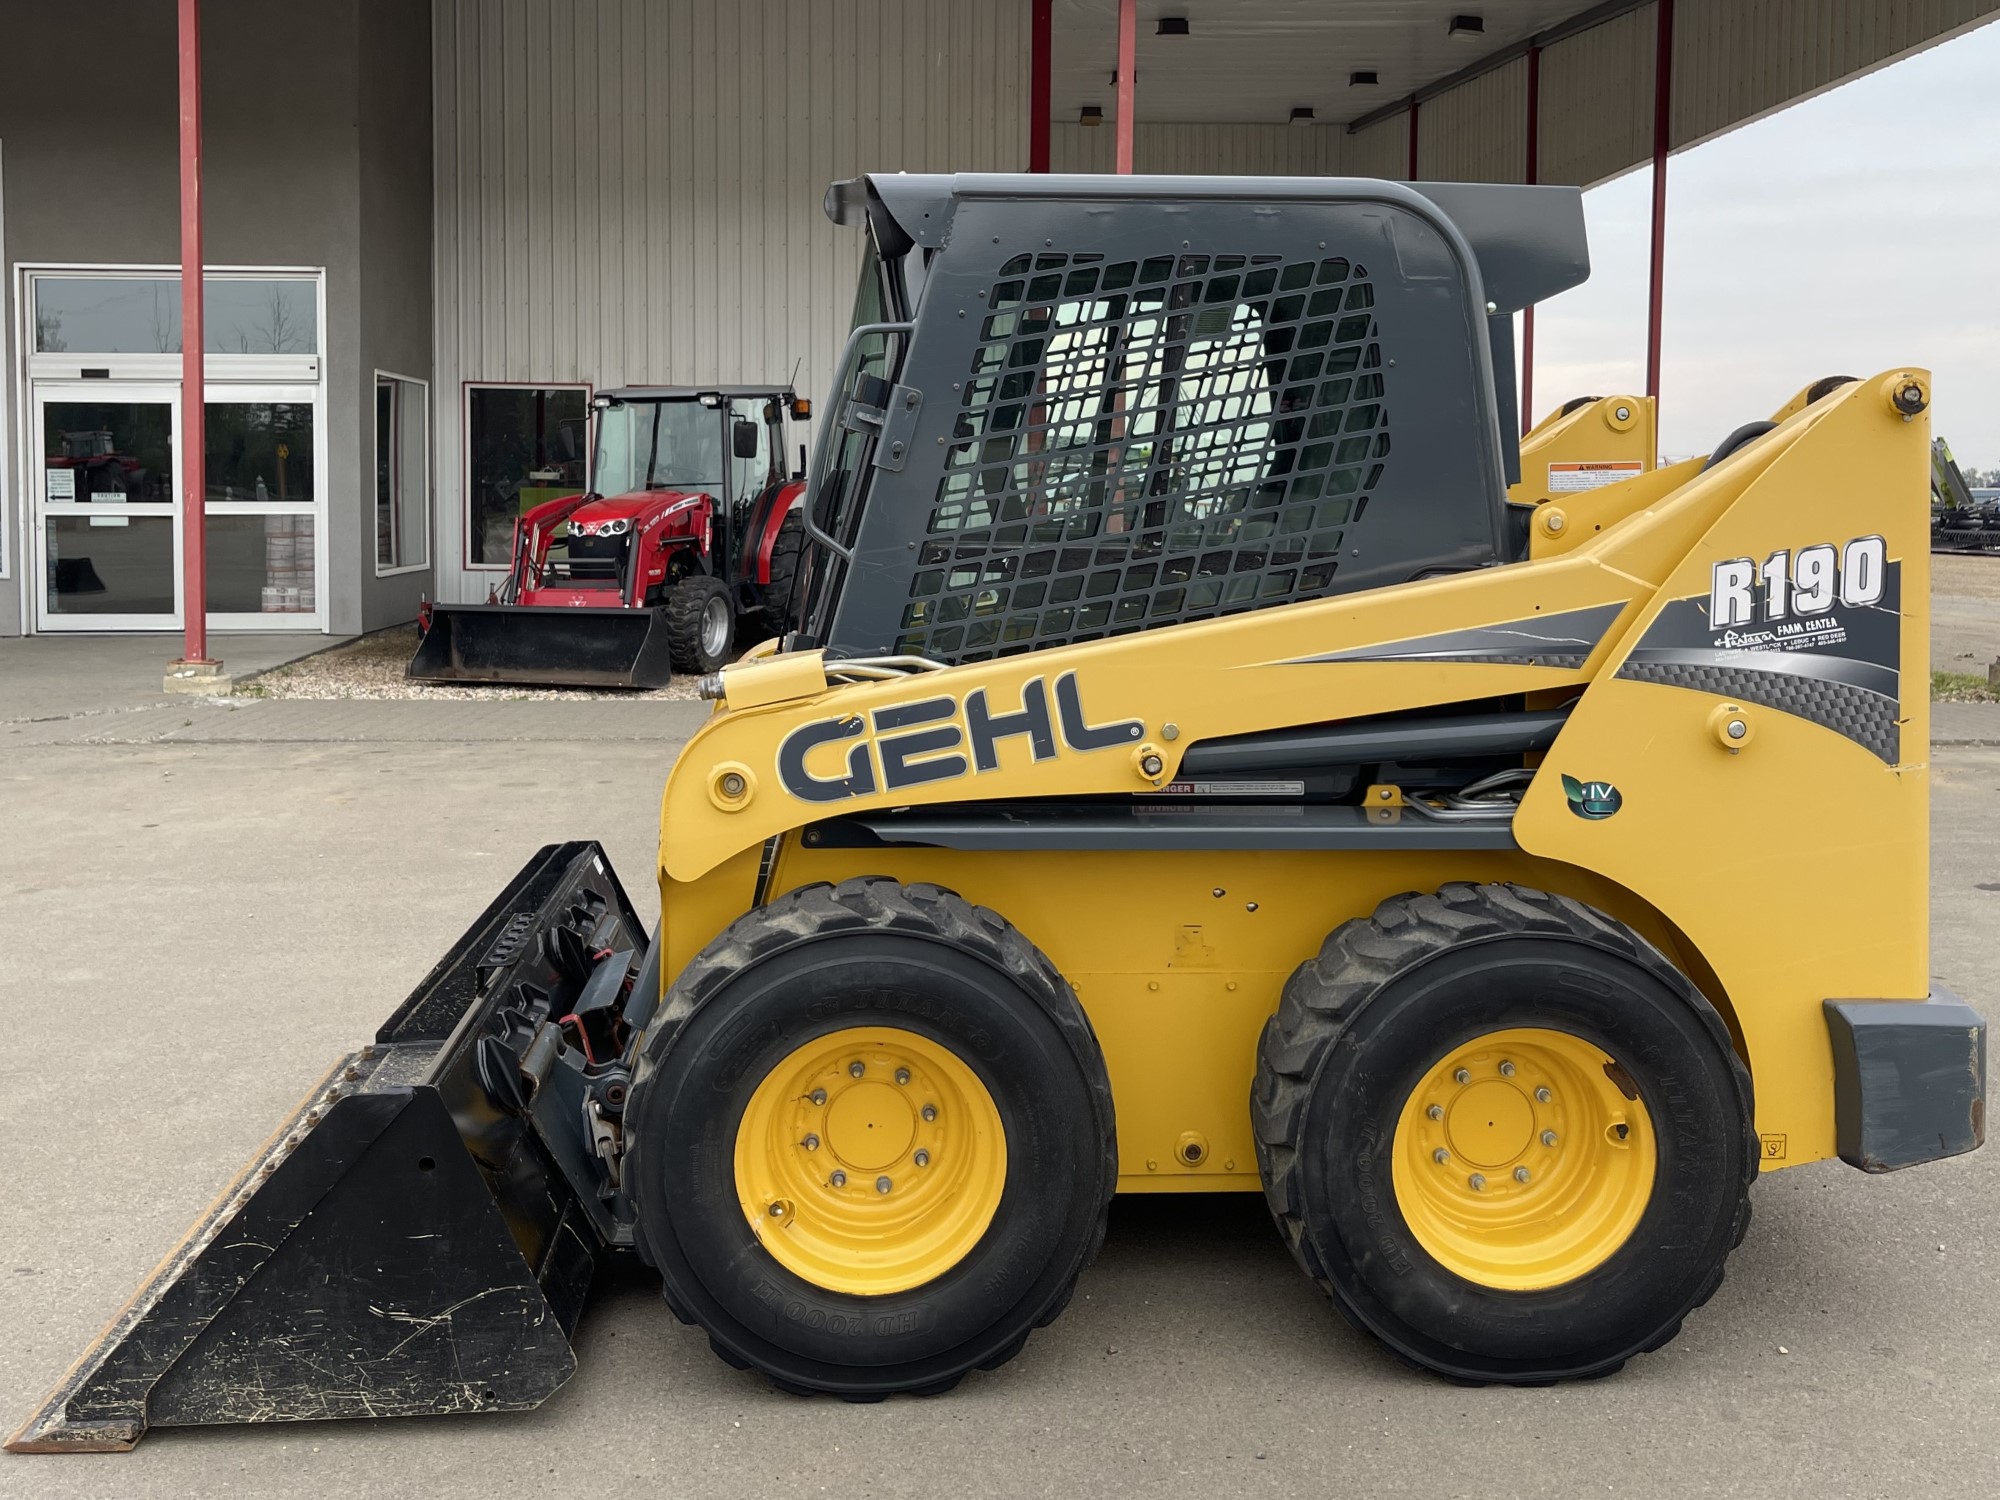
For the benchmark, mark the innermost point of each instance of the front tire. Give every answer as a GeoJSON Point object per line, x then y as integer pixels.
{"type": "Point", "coordinates": [800, 1067]}
{"type": "Point", "coordinates": [1504, 1134]}
{"type": "Point", "coordinates": [701, 624]}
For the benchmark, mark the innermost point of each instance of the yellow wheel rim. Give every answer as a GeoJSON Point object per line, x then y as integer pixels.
{"type": "Point", "coordinates": [1520, 1163]}
{"type": "Point", "coordinates": [870, 1161]}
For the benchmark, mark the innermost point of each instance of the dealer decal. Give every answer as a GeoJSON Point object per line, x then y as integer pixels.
{"type": "Point", "coordinates": [943, 738]}
{"type": "Point", "coordinates": [1815, 631]}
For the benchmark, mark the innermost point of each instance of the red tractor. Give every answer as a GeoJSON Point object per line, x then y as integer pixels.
{"type": "Point", "coordinates": [687, 536]}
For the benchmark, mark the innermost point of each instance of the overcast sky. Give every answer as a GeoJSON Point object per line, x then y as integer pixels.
{"type": "Point", "coordinates": [1847, 234]}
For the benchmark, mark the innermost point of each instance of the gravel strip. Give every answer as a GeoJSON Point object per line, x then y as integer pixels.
{"type": "Point", "coordinates": [372, 667]}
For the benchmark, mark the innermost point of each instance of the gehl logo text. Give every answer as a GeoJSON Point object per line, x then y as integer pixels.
{"type": "Point", "coordinates": [938, 739]}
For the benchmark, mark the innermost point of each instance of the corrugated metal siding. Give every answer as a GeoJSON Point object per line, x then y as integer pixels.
{"type": "Point", "coordinates": [1737, 59]}
{"type": "Point", "coordinates": [1382, 150]}
{"type": "Point", "coordinates": [629, 191]}
{"type": "Point", "coordinates": [1479, 131]}
{"type": "Point", "coordinates": [1202, 149]}
{"type": "Point", "coordinates": [1597, 100]}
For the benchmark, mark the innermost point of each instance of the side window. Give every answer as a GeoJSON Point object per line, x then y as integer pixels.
{"type": "Point", "coordinates": [523, 445]}
{"type": "Point", "coordinates": [402, 473]}
{"type": "Point", "coordinates": [748, 476]}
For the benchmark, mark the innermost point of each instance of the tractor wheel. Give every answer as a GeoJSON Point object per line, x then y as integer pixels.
{"type": "Point", "coordinates": [870, 1140]}
{"type": "Point", "coordinates": [786, 552]}
{"type": "Point", "coordinates": [701, 623]}
{"type": "Point", "coordinates": [1504, 1134]}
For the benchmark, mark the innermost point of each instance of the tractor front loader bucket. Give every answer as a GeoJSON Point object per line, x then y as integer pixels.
{"type": "Point", "coordinates": [420, 1236]}
{"type": "Point", "coordinates": [546, 645]}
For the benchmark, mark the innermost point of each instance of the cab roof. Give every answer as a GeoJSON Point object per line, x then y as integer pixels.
{"type": "Point", "coordinates": [635, 393]}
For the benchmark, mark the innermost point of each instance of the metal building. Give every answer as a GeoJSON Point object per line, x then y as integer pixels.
{"type": "Point", "coordinates": [433, 231]}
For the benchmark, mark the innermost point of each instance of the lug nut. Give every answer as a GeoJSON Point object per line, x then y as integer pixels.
{"type": "Point", "coordinates": [883, 1184]}
{"type": "Point", "coordinates": [819, 1096]}
{"type": "Point", "coordinates": [1463, 1075]}
{"type": "Point", "coordinates": [930, 1112]}
{"type": "Point", "coordinates": [1476, 1183]}
{"type": "Point", "coordinates": [1440, 1156]}
{"type": "Point", "coordinates": [1548, 1137]}
{"type": "Point", "coordinates": [1436, 1111]}
{"type": "Point", "coordinates": [777, 1210]}
{"type": "Point", "coordinates": [922, 1158]}
{"type": "Point", "coordinates": [856, 1069]}
{"type": "Point", "coordinates": [1542, 1096]}
{"type": "Point", "coordinates": [1506, 1070]}
{"type": "Point", "coordinates": [811, 1142]}
{"type": "Point", "coordinates": [902, 1075]}
{"type": "Point", "coordinates": [1521, 1174]}
{"type": "Point", "coordinates": [839, 1179]}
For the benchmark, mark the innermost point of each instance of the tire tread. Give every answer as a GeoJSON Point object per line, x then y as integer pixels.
{"type": "Point", "coordinates": [1362, 955]}
{"type": "Point", "coordinates": [881, 903]}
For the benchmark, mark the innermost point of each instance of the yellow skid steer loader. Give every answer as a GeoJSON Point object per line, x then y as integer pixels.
{"type": "Point", "coordinates": [1190, 772]}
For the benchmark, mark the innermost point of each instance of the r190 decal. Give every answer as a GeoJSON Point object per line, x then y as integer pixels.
{"type": "Point", "coordinates": [1811, 581]}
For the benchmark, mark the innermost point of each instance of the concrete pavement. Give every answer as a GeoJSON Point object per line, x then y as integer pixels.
{"type": "Point", "coordinates": [51, 676]}
{"type": "Point", "coordinates": [202, 904]}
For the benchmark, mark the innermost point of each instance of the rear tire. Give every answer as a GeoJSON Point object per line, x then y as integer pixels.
{"type": "Point", "coordinates": [857, 971]}
{"type": "Point", "coordinates": [701, 624]}
{"type": "Point", "coordinates": [786, 551]}
{"type": "Point", "coordinates": [1451, 1259]}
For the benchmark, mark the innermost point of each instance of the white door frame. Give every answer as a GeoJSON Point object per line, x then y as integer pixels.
{"type": "Point", "coordinates": [46, 392]}
{"type": "Point", "coordinates": [228, 377]}
{"type": "Point", "coordinates": [245, 393]}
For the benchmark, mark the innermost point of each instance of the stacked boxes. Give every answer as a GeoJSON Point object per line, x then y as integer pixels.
{"type": "Point", "coordinates": [288, 565]}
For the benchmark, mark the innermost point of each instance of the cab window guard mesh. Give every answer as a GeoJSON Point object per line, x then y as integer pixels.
{"type": "Point", "coordinates": [1144, 442]}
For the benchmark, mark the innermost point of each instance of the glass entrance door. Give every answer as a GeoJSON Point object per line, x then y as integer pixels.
{"type": "Point", "coordinates": [107, 506]}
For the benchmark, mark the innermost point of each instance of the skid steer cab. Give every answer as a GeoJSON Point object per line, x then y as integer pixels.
{"type": "Point", "coordinates": [1188, 770]}
{"type": "Point", "coordinates": [684, 547]}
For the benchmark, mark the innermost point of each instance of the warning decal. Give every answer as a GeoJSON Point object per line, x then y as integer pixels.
{"type": "Point", "coordinates": [1567, 479]}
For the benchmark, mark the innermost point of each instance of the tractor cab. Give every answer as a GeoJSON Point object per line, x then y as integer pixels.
{"type": "Point", "coordinates": [726, 443]}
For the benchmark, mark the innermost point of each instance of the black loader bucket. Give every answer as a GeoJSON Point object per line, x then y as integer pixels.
{"type": "Point", "coordinates": [420, 1236]}
{"type": "Point", "coordinates": [547, 645]}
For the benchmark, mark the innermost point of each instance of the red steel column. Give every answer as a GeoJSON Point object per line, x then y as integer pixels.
{"type": "Point", "coordinates": [1411, 176]}
{"type": "Point", "coordinates": [1041, 62]}
{"type": "Point", "coordinates": [1663, 92]}
{"type": "Point", "coordinates": [1128, 50]}
{"type": "Point", "coordinates": [1534, 174]}
{"type": "Point", "coordinates": [194, 481]}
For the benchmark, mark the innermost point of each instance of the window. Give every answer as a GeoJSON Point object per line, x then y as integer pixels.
{"type": "Point", "coordinates": [658, 445]}
{"type": "Point", "coordinates": [523, 444]}
{"type": "Point", "coordinates": [142, 315]}
{"type": "Point", "coordinates": [402, 474]}
{"type": "Point", "coordinates": [748, 476]}
{"type": "Point", "coordinates": [260, 463]}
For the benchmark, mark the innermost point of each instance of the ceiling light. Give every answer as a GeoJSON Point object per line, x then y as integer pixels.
{"type": "Point", "coordinates": [1091, 114]}
{"type": "Point", "coordinates": [1171, 26]}
{"type": "Point", "coordinates": [1468, 26]}
{"type": "Point", "coordinates": [1302, 116]}
{"type": "Point", "coordinates": [1366, 78]}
